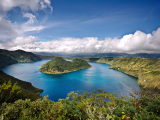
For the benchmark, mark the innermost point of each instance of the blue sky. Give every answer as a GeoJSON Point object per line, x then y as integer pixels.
{"type": "Point", "coordinates": [103, 26]}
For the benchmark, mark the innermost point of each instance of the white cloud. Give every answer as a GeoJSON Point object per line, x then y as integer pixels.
{"type": "Point", "coordinates": [132, 43]}
{"type": "Point", "coordinates": [34, 28]}
{"type": "Point", "coordinates": [45, 4]}
{"type": "Point", "coordinates": [7, 29]}
{"type": "Point", "coordinates": [20, 41]}
{"type": "Point", "coordinates": [30, 24]}
{"type": "Point", "coordinates": [25, 5]}
{"type": "Point", "coordinates": [32, 18]}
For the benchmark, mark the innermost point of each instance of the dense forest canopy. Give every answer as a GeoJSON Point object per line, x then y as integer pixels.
{"type": "Point", "coordinates": [60, 65]}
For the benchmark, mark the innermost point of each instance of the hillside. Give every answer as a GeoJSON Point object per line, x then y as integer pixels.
{"type": "Point", "coordinates": [147, 70]}
{"type": "Point", "coordinates": [59, 65]}
{"type": "Point", "coordinates": [28, 90]}
{"type": "Point", "coordinates": [11, 57]}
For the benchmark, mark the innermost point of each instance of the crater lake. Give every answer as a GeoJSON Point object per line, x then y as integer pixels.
{"type": "Point", "coordinates": [57, 86]}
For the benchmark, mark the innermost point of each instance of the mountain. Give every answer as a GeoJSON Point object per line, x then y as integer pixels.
{"type": "Point", "coordinates": [45, 57]}
{"type": "Point", "coordinates": [99, 55]}
{"type": "Point", "coordinates": [11, 57]}
{"type": "Point", "coordinates": [59, 65]}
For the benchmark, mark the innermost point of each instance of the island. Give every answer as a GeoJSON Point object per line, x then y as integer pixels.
{"type": "Point", "coordinates": [58, 65]}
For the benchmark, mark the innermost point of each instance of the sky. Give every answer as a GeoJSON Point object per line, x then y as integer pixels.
{"type": "Point", "coordinates": [80, 26]}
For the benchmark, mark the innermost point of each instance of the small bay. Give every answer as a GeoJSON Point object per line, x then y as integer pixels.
{"type": "Point", "coordinates": [59, 85]}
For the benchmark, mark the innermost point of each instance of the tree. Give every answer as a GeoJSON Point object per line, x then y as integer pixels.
{"type": "Point", "coordinates": [8, 91]}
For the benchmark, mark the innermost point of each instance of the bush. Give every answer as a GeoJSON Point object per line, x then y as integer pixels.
{"type": "Point", "coordinates": [8, 92]}
{"type": "Point", "coordinates": [101, 105]}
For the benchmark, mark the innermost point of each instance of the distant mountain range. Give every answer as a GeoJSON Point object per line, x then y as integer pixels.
{"type": "Point", "coordinates": [10, 57]}
{"type": "Point", "coordinates": [99, 55]}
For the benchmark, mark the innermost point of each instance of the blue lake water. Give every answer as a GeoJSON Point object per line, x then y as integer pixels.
{"type": "Point", "coordinates": [59, 85]}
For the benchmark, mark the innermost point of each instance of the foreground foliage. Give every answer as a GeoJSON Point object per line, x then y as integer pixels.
{"type": "Point", "coordinates": [100, 105]}
{"type": "Point", "coordinates": [7, 91]}
{"type": "Point", "coordinates": [27, 89]}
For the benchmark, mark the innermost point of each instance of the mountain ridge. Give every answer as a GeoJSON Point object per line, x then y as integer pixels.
{"type": "Point", "coordinates": [10, 57]}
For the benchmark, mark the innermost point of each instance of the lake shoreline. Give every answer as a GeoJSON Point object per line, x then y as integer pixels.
{"type": "Point", "coordinates": [98, 76]}
{"type": "Point", "coordinates": [127, 66]}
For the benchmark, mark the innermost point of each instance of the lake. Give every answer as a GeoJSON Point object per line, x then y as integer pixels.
{"type": "Point", "coordinates": [59, 85]}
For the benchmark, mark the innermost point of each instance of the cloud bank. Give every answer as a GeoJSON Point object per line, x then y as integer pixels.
{"type": "Point", "coordinates": [138, 42]}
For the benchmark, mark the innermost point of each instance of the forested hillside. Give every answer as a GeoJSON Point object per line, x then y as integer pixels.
{"type": "Point", "coordinates": [11, 57]}
{"type": "Point", "coordinates": [147, 70]}
{"type": "Point", "coordinates": [28, 90]}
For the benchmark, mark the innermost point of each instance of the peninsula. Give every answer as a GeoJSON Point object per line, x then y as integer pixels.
{"type": "Point", "coordinates": [59, 65]}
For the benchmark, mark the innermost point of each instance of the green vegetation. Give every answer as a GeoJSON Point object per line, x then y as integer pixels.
{"type": "Point", "coordinates": [59, 65]}
{"type": "Point", "coordinates": [100, 105]}
{"type": "Point", "coordinates": [27, 90]}
{"type": "Point", "coordinates": [11, 57]}
{"type": "Point", "coordinates": [19, 100]}
{"type": "Point", "coordinates": [8, 91]}
{"type": "Point", "coordinates": [147, 70]}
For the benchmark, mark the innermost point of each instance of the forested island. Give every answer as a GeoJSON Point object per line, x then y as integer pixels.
{"type": "Point", "coordinates": [59, 65]}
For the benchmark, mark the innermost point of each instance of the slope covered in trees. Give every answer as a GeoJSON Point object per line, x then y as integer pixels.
{"type": "Point", "coordinates": [59, 65]}
{"type": "Point", "coordinates": [147, 70]}
{"type": "Point", "coordinates": [28, 91]}
{"type": "Point", "coordinates": [11, 57]}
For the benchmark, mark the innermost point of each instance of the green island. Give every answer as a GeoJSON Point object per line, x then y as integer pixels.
{"type": "Point", "coordinates": [58, 65]}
